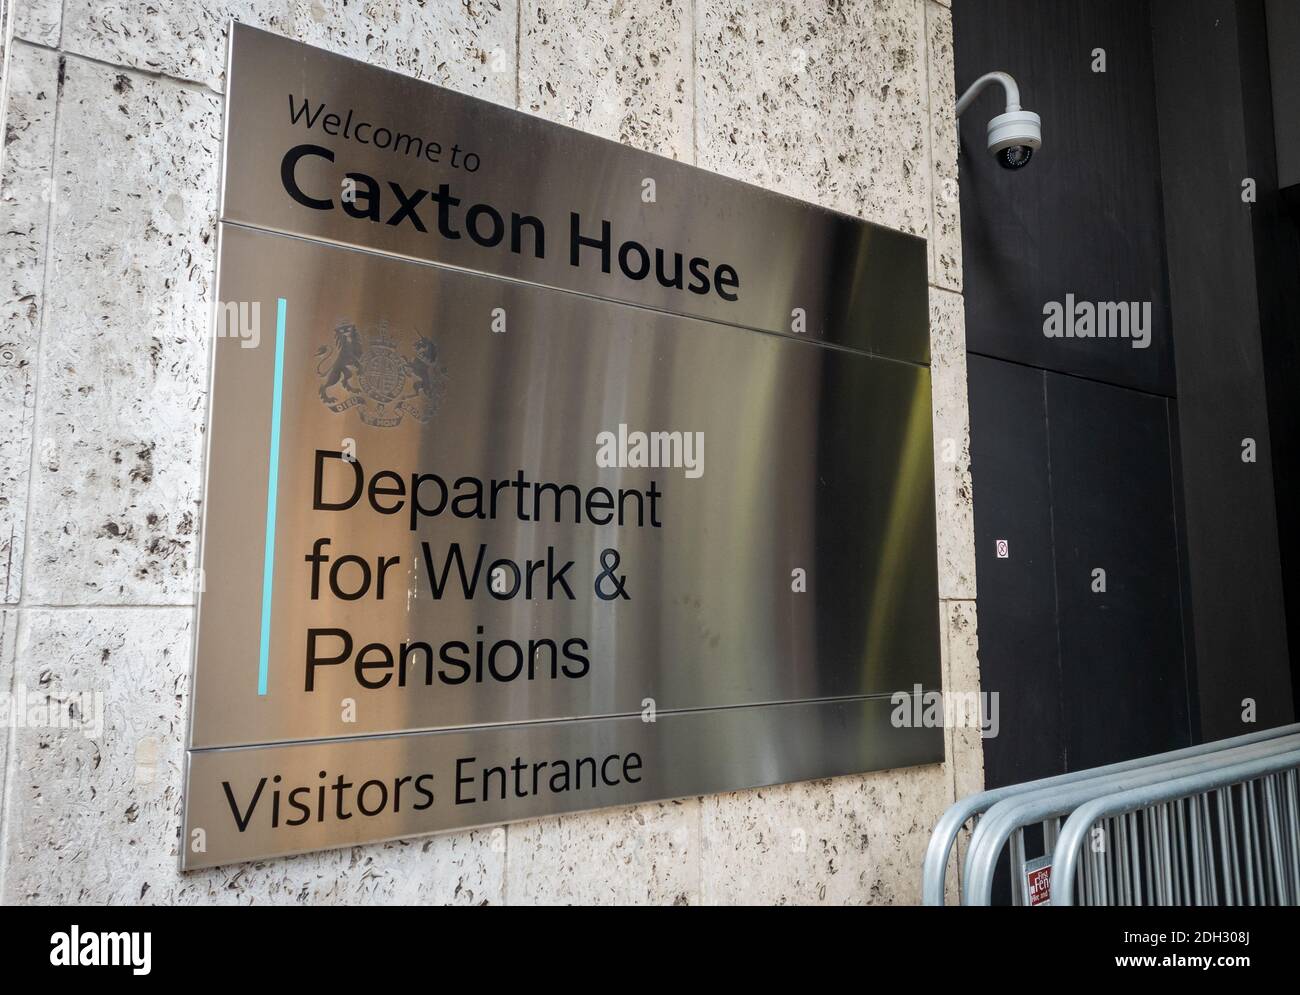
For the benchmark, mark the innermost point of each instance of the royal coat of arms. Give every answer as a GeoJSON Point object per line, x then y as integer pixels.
{"type": "Point", "coordinates": [373, 375]}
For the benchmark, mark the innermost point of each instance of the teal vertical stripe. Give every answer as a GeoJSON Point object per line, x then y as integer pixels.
{"type": "Point", "coordinates": [272, 491]}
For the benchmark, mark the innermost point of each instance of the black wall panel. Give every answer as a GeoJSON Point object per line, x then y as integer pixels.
{"type": "Point", "coordinates": [1085, 216]}
{"type": "Point", "coordinates": [1124, 674]}
{"type": "Point", "coordinates": [1230, 301]}
{"type": "Point", "coordinates": [1284, 67]}
{"type": "Point", "coordinates": [1272, 101]}
{"type": "Point", "coordinates": [1017, 597]}
{"type": "Point", "coordinates": [1076, 475]}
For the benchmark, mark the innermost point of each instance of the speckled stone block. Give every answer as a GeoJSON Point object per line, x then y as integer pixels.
{"type": "Point", "coordinates": [456, 869]}
{"type": "Point", "coordinates": [621, 70]}
{"type": "Point", "coordinates": [825, 102]}
{"type": "Point", "coordinates": [181, 38]}
{"type": "Point", "coordinates": [953, 490]}
{"type": "Point", "coordinates": [945, 222]}
{"type": "Point", "coordinates": [93, 809]}
{"type": "Point", "coordinates": [952, 877]}
{"type": "Point", "coordinates": [469, 45]}
{"type": "Point", "coordinates": [962, 675]}
{"type": "Point", "coordinates": [25, 195]}
{"type": "Point", "coordinates": [8, 638]}
{"type": "Point", "coordinates": [847, 841]}
{"type": "Point", "coordinates": [964, 745]}
{"type": "Point", "coordinates": [95, 818]}
{"type": "Point", "coordinates": [124, 348]}
{"type": "Point", "coordinates": [643, 855]}
{"type": "Point", "coordinates": [38, 21]}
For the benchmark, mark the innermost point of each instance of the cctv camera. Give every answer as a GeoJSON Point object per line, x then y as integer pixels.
{"type": "Point", "coordinates": [1013, 135]}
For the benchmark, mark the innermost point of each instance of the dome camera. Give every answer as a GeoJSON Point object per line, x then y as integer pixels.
{"type": "Point", "coordinates": [1013, 135]}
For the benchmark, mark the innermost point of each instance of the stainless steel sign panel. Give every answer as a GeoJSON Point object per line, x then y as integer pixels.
{"type": "Point", "coordinates": [814, 459]}
{"type": "Point", "coordinates": [323, 146]}
{"type": "Point", "coordinates": [491, 518]}
{"type": "Point", "coordinates": [286, 799]}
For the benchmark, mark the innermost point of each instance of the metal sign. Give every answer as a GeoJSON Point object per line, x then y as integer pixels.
{"type": "Point", "coordinates": [543, 474]}
{"type": "Point", "coordinates": [1037, 883]}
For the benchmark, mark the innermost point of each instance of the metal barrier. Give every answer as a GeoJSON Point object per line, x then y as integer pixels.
{"type": "Point", "coordinates": [1158, 844]}
{"type": "Point", "coordinates": [950, 824]}
{"type": "Point", "coordinates": [1006, 821]}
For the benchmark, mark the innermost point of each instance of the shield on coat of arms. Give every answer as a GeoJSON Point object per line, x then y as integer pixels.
{"type": "Point", "coordinates": [383, 370]}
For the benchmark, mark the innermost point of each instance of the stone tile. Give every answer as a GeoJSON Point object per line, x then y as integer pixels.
{"type": "Point", "coordinates": [953, 490]}
{"type": "Point", "coordinates": [38, 21]}
{"type": "Point", "coordinates": [848, 841]}
{"type": "Point", "coordinates": [25, 195]}
{"type": "Point", "coordinates": [965, 747]}
{"type": "Point", "coordinates": [95, 818]}
{"type": "Point", "coordinates": [455, 869]}
{"type": "Point", "coordinates": [467, 45]}
{"type": "Point", "coordinates": [620, 70]}
{"type": "Point", "coordinates": [181, 38]}
{"type": "Point", "coordinates": [952, 893]}
{"type": "Point", "coordinates": [643, 855]}
{"type": "Point", "coordinates": [945, 221]}
{"type": "Point", "coordinates": [962, 675]}
{"type": "Point", "coordinates": [124, 355]}
{"type": "Point", "coordinates": [93, 810]}
{"type": "Point", "coordinates": [825, 102]}
{"type": "Point", "coordinates": [8, 637]}
{"type": "Point", "coordinates": [945, 681]}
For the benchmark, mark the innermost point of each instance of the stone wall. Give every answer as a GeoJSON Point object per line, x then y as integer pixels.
{"type": "Point", "coordinates": [113, 135]}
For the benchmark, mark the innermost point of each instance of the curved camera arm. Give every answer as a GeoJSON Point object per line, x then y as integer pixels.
{"type": "Point", "coordinates": [976, 88]}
